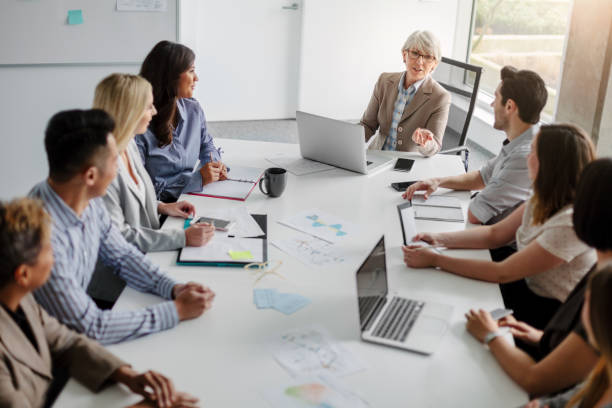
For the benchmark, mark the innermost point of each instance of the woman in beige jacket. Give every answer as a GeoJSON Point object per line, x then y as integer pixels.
{"type": "Point", "coordinates": [410, 109]}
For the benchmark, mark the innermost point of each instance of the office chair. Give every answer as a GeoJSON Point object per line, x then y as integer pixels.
{"type": "Point", "coordinates": [462, 81]}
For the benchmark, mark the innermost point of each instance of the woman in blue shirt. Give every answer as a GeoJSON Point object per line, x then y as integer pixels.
{"type": "Point", "coordinates": [177, 136]}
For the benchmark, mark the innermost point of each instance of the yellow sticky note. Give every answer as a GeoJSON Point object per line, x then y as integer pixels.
{"type": "Point", "coordinates": [240, 255]}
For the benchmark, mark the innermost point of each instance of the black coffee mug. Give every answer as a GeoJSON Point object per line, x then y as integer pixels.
{"type": "Point", "coordinates": [275, 179]}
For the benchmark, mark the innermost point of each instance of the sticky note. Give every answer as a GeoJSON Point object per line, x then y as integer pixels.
{"type": "Point", "coordinates": [288, 303]}
{"type": "Point", "coordinates": [240, 255]}
{"type": "Point", "coordinates": [75, 17]}
{"type": "Point", "coordinates": [264, 298]}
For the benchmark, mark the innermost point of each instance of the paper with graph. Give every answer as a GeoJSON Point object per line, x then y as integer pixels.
{"type": "Point", "coordinates": [322, 391]}
{"type": "Point", "coordinates": [311, 251]}
{"type": "Point", "coordinates": [322, 225]}
{"type": "Point", "coordinates": [312, 351]}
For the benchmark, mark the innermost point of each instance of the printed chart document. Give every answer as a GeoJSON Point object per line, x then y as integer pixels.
{"type": "Point", "coordinates": [320, 391]}
{"type": "Point", "coordinates": [322, 225]}
{"type": "Point", "coordinates": [222, 249]}
{"type": "Point", "coordinates": [311, 351]}
{"type": "Point", "coordinates": [311, 251]}
{"type": "Point", "coordinates": [241, 181]}
{"type": "Point", "coordinates": [299, 166]}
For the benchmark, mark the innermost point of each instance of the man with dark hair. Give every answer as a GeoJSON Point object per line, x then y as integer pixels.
{"type": "Point", "coordinates": [519, 99]}
{"type": "Point", "coordinates": [34, 344]}
{"type": "Point", "coordinates": [82, 157]}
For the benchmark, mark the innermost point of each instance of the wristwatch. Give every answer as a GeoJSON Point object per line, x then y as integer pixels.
{"type": "Point", "coordinates": [491, 335]}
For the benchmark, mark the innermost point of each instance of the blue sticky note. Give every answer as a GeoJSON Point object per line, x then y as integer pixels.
{"type": "Point", "coordinates": [289, 303]}
{"type": "Point", "coordinates": [75, 17]}
{"type": "Point", "coordinates": [263, 298]}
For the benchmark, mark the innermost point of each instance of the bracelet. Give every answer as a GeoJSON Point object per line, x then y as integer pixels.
{"type": "Point", "coordinates": [491, 335]}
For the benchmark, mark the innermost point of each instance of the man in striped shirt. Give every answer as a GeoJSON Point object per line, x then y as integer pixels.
{"type": "Point", "coordinates": [82, 157]}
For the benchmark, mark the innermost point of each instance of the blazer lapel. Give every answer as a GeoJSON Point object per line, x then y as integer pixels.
{"type": "Point", "coordinates": [422, 96]}
{"type": "Point", "coordinates": [18, 345]}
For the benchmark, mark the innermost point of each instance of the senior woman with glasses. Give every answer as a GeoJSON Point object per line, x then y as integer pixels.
{"type": "Point", "coordinates": [410, 108]}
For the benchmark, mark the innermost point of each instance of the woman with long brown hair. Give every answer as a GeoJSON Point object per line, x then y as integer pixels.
{"type": "Point", "coordinates": [597, 390]}
{"type": "Point", "coordinates": [565, 355]}
{"type": "Point", "coordinates": [178, 135]}
{"type": "Point", "coordinates": [551, 259]}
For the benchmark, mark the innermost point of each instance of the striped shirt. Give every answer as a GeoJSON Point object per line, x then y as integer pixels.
{"type": "Point", "coordinates": [77, 242]}
{"type": "Point", "coordinates": [404, 97]}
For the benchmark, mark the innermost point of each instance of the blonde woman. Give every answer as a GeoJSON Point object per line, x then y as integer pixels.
{"type": "Point", "coordinates": [130, 198]}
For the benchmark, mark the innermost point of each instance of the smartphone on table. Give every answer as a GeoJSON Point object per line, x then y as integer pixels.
{"type": "Point", "coordinates": [220, 225]}
{"type": "Point", "coordinates": [403, 185]}
{"type": "Point", "coordinates": [403, 164]}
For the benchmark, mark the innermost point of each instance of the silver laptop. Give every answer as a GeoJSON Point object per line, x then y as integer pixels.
{"type": "Point", "coordinates": [392, 320]}
{"type": "Point", "coordinates": [341, 144]}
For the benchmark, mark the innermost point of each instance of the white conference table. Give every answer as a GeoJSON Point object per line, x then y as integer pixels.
{"type": "Point", "coordinates": [225, 356]}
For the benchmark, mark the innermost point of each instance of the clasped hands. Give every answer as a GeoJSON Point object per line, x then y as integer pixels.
{"type": "Point", "coordinates": [192, 299]}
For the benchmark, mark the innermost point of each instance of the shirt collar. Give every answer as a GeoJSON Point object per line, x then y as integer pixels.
{"type": "Point", "coordinates": [68, 216]}
{"type": "Point", "coordinates": [416, 85]}
{"type": "Point", "coordinates": [524, 138]}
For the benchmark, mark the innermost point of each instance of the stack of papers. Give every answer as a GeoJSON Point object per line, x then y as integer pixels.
{"type": "Point", "coordinates": [223, 249]}
{"type": "Point", "coordinates": [312, 351]}
{"type": "Point", "coordinates": [437, 208]}
{"type": "Point", "coordinates": [286, 303]}
{"type": "Point", "coordinates": [244, 226]}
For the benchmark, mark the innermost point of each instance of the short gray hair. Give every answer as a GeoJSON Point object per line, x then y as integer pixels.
{"type": "Point", "coordinates": [424, 41]}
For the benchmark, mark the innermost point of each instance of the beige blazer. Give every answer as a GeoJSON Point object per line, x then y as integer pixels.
{"type": "Point", "coordinates": [428, 109]}
{"type": "Point", "coordinates": [25, 374]}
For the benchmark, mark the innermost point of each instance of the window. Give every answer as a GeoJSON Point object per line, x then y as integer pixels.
{"type": "Point", "coordinates": [527, 34]}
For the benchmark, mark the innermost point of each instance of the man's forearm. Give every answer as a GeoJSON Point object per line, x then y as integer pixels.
{"type": "Point", "coordinates": [468, 181]}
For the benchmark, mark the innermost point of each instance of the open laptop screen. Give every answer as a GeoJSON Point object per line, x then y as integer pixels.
{"type": "Point", "coordinates": [372, 284]}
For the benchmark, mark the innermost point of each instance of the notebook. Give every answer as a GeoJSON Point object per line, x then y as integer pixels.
{"type": "Point", "coordinates": [437, 208]}
{"type": "Point", "coordinates": [224, 250]}
{"type": "Point", "coordinates": [241, 181]}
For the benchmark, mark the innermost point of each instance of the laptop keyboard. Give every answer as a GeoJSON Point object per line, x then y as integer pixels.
{"type": "Point", "coordinates": [367, 303]}
{"type": "Point", "coordinates": [398, 319]}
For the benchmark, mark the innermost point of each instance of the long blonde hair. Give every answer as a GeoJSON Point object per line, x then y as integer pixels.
{"type": "Point", "coordinates": [124, 97]}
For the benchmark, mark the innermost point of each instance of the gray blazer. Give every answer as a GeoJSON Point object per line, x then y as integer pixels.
{"type": "Point", "coordinates": [25, 373]}
{"type": "Point", "coordinates": [138, 221]}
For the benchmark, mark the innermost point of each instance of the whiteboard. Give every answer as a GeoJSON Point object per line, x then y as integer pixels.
{"type": "Point", "coordinates": [37, 32]}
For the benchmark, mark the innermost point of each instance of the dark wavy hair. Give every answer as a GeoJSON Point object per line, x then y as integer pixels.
{"type": "Point", "coordinates": [593, 205]}
{"type": "Point", "coordinates": [527, 89]}
{"type": "Point", "coordinates": [563, 151]}
{"type": "Point", "coordinates": [163, 67]}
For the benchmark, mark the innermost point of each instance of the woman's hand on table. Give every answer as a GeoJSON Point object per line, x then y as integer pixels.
{"type": "Point", "coordinates": [199, 234]}
{"type": "Point", "coordinates": [416, 256]}
{"type": "Point", "coordinates": [480, 323]}
{"type": "Point", "coordinates": [211, 172]}
{"type": "Point", "coordinates": [181, 209]}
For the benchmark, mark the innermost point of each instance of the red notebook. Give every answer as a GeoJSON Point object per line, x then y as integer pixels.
{"type": "Point", "coordinates": [241, 181]}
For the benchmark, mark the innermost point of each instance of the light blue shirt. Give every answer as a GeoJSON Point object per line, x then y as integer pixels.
{"type": "Point", "coordinates": [506, 180]}
{"type": "Point", "coordinates": [404, 97]}
{"type": "Point", "coordinates": [172, 167]}
{"type": "Point", "coordinates": [77, 243]}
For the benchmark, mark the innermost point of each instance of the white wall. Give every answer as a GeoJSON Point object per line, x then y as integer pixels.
{"type": "Point", "coordinates": [346, 44]}
{"type": "Point", "coordinates": [30, 96]}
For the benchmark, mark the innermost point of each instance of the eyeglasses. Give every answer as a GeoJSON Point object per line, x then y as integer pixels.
{"type": "Point", "coordinates": [264, 268]}
{"type": "Point", "coordinates": [414, 55]}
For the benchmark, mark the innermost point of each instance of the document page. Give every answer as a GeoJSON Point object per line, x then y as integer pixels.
{"type": "Point", "coordinates": [220, 248]}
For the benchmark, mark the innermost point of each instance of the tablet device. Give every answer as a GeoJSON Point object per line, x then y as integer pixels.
{"type": "Point", "coordinates": [403, 164]}
{"type": "Point", "coordinates": [220, 225]}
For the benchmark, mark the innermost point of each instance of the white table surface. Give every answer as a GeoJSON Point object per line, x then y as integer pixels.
{"type": "Point", "coordinates": [224, 357]}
